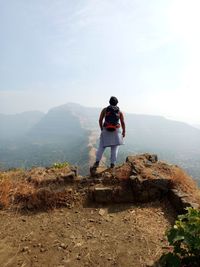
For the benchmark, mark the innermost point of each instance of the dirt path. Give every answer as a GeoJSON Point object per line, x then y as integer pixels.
{"type": "Point", "coordinates": [117, 235]}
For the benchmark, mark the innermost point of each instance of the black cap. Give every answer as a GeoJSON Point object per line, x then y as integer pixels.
{"type": "Point", "coordinates": [113, 101]}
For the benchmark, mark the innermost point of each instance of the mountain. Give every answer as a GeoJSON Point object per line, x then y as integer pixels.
{"type": "Point", "coordinates": [159, 133]}
{"type": "Point", "coordinates": [19, 124]}
{"type": "Point", "coordinates": [60, 123]}
{"type": "Point", "coordinates": [56, 137]}
{"type": "Point", "coordinates": [197, 126]}
{"type": "Point", "coordinates": [174, 141]}
{"type": "Point", "coordinates": [70, 132]}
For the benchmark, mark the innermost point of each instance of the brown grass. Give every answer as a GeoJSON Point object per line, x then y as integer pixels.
{"type": "Point", "coordinates": [182, 180]}
{"type": "Point", "coordinates": [24, 195]}
{"type": "Point", "coordinates": [5, 189]}
{"type": "Point", "coordinates": [16, 191]}
{"type": "Point", "coordinates": [178, 178]}
{"type": "Point", "coordinates": [11, 190]}
{"type": "Point", "coordinates": [42, 188]}
{"type": "Point", "coordinates": [185, 183]}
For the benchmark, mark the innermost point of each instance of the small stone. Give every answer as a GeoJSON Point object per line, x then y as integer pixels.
{"type": "Point", "coordinates": [62, 245]}
{"type": "Point", "coordinates": [78, 244]}
{"type": "Point", "coordinates": [25, 249]}
{"type": "Point", "coordinates": [42, 250]}
{"type": "Point", "coordinates": [23, 220]}
{"type": "Point", "coordinates": [102, 212]}
{"type": "Point", "coordinates": [134, 172]}
{"type": "Point", "coordinates": [91, 220]}
{"type": "Point", "coordinates": [107, 175]}
{"type": "Point", "coordinates": [78, 257]}
{"type": "Point", "coordinates": [66, 261]}
{"type": "Point", "coordinates": [62, 235]}
{"type": "Point", "coordinates": [149, 263]}
{"type": "Point", "coordinates": [89, 236]}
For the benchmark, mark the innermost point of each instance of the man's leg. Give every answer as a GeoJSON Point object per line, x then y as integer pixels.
{"type": "Point", "coordinates": [113, 157]}
{"type": "Point", "coordinates": [99, 154]}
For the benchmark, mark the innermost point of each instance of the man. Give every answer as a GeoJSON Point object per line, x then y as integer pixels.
{"type": "Point", "coordinates": [111, 135]}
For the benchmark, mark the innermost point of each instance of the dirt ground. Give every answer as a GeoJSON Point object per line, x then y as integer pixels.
{"type": "Point", "coordinates": [122, 235]}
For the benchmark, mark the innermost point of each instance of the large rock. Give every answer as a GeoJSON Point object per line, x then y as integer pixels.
{"type": "Point", "coordinates": [47, 176]}
{"type": "Point", "coordinates": [142, 178]}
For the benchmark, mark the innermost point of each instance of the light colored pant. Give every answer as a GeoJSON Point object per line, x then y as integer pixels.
{"type": "Point", "coordinates": [113, 154]}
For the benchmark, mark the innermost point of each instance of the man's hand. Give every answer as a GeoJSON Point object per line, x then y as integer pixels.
{"type": "Point", "coordinates": [122, 123]}
{"type": "Point", "coordinates": [101, 117]}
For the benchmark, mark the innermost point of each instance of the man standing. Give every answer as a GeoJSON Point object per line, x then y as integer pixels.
{"type": "Point", "coordinates": [111, 136]}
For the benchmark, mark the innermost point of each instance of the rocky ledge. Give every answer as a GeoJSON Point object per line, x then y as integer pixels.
{"type": "Point", "coordinates": [142, 178]}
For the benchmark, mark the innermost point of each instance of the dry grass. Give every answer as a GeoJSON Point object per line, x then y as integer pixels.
{"type": "Point", "coordinates": [185, 183]}
{"type": "Point", "coordinates": [24, 195]}
{"type": "Point", "coordinates": [42, 188]}
{"type": "Point", "coordinates": [12, 188]}
{"type": "Point", "coordinates": [17, 191]}
{"type": "Point", "coordinates": [5, 189]}
{"type": "Point", "coordinates": [178, 178]}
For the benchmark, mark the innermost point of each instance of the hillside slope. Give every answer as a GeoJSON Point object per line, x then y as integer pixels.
{"type": "Point", "coordinates": [65, 132]}
{"type": "Point", "coordinates": [13, 126]}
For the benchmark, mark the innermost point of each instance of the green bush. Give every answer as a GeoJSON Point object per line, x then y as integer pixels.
{"type": "Point", "coordinates": [60, 165]}
{"type": "Point", "coordinates": [184, 237]}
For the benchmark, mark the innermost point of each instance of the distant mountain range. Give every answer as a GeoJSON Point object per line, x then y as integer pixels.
{"type": "Point", "coordinates": [12, 126]}
{"type": "Point", "coordinates": [63, 134]}
{"type": "Point", "coordinates": [197, 126]}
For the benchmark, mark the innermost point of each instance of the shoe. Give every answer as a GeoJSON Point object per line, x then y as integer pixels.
{"type": "Point", "coordinates": [112, 165]}
{"type": "Point", "coordinates": [96, 164]}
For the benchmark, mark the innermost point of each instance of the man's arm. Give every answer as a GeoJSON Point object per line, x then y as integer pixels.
{"type": "Point", "coordinates": [122, 124]}
{"type": "Point", "coordinates": [101, 117]}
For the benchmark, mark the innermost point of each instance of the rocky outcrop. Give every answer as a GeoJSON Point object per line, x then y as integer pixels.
{"type": "Point", "coordinates": [41, 176]}
{"type": "Point", "coordinates": [142, 178]}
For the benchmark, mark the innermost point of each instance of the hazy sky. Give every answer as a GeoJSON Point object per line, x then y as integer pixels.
{"type": "Point", "coordinates": [145, 52]}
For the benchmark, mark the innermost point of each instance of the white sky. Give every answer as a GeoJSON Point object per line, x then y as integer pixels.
{"type": "Point", "coordinates": [147, 53]}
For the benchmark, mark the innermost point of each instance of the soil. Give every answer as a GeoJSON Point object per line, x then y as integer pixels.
{"type": "Point", "coordinates": [73, 230]}
{"type": "Point", "coordinates": [97, 235]}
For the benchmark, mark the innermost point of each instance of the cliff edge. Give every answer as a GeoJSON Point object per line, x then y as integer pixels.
{"type": "Point", "coordinates": [113, 217]}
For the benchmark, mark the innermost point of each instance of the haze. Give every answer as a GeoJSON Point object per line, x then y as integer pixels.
{"type": "Point", "coordinates": [144, 52]}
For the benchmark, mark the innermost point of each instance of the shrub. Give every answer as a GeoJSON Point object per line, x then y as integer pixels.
{"type": "Point", "coordinates": [60, 165]}
{"type": "Point", "coordinates": [184, 237]}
